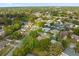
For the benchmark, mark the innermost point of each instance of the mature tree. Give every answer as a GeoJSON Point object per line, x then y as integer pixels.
{"type": "Point", "coordinates": [28, 44]}
{"type": "Point", "coordinates": [1, 38]}
{"type": "Point", "coordinates": [65, 44]}
{"type": "Point", "coordinates": [17, 52]}
{"type": "Point", "coordinates": [76, 31]}
{"type": "Point", "coordinates": [39, 51]}
{"type": "Point", "coordinates": [8, 29]}
{"type": "Point", "coordinates": [31, 18]}
{"type": "Point", "coordinates": [21, 51]}
{"type": "Point", "coordinates": [55, 49]}
{"type": "Point", "coordinates": [16, 35]}
{"type": "Point", "coordinates": [75, 22]}
{"type": "Point", "coordinates": [16, 26]}
{"type": "Point", "coordinates": [45, 42]}
{"type": "Point", "coordinates": [40, 24]}
{"type": "Point", "coordinates": [77, 47]}
{"type": "Point", "coordinates": [5, 21]}
{"type": "Point", "coordinates": [33, 34]}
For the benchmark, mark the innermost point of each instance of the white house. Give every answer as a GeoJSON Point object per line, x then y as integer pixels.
{"type": "Point", "coordinates": [76, 37]}
{"type": "Point", "coordinates": [46, 29]}
{"type": "Point", "coordinates": [2, 32]}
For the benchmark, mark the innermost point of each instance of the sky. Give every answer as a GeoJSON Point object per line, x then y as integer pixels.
{"type": "Point", "coordinates": [37, 4]}
{"type": "Point", "coordinates": [39, 1]}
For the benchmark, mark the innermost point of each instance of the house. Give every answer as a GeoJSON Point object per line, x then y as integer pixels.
{"type": "Point", "coordinates": [24, 23]}
{"type": "Point", "coordinates": [17, 41]}
{"type": "Point", "coordinates": [48, 16]}
{"type": "Point", "coordinates": [69, 12]}
{"type": "Point", "coordinates": [72, 45]}
{"type": "Point", "coordinates": [37, 14]}
{"type": "Point", "coordinates": [43, 36]}
{"type": "Point", "coordinates": [2, 33]}
{"type": "Point", "coordinates": [49, 21]}
{"type": "Point", "coordinates": [55, 34]}
{"type": "Point", "coordinates": [76, 37]}
{"type": "Point", "coordinates": [34, 27]}
{"type": "Point", "coordinates": [47, 25]}
{"type": "Point", "coordinates": [71, 52]}
{"type": "Point", "coordinates": [64, 33]}
{"type": "Point", "coordinates": [53, 41]}
{"type": "Point", "coordinates": [59, 26]}
{"type": "Point", "coordinates": [69, 25]}
{"type": "Point", "coordinates": [40, 19]}
{"type": "Point", "coordinates": [2, 44]}
{"type": "Point", "coordinates": [54, 31]}
{"type": "Point", "coordinates": [46, 29]}
{"type": "Point", "coordinates": [76, 26]}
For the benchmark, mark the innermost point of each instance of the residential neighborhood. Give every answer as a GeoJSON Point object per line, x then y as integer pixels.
{"type": "Point", "coordinates": [39, 31]}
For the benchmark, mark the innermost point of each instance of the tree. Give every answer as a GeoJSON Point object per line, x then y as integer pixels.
{"type": "Point", "coordinates": [75, 22]}
{"type": "Point", "coordinates": [28, 44]}
{"type": "Point", "coordinates": [30, 41]}
{"type": "Point", "coordinates": [45, 42]}
{"type": "Point", "coordinates": [40, 24]}
{"type": "Point", "coordinates": [36, 43]}
{"type": "Point", "coordinates": [33, 34]}
{"type": "Point", "coordinates": [21, 51]}
{"type": "Point", "coordinates": [17, 20]}
{"type": "Point", "coordinates": [16, 26]}
{"type": "Point", "coordinates": [1, 38]}
{"type": "Point", "coordinates": [8, 29]}
{"type": "Point", "coordinates": [77, 47]}
{"type": "Point", "coordinates": [39, 51]}
{"type": "Point", "coordinates": [16, 35]}
{"type": "Point", "coordinates": [76, 31]}
{"type": "Point", "coordinates": [11, 28]}
{"type": "Point", "coordinates": [65, 44]}
{"type": "Point", "coordinates": [55, 49]}
{"type": "Point", "coordinates": [5, 21]}
{"type": "Point", "coordinates": [17, 52]}
{"type": "Point", "coordinates": [24, 19]}
{"type": "Point", "coordinates": [31, 18]}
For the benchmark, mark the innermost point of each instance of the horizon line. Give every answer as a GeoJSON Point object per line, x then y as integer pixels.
{"type": "Point", "coordinates": [36, 4]}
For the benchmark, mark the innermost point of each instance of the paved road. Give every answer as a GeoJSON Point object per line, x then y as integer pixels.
{"type": "Point", "coordinates": [71, 52]}
{"type": "Point", "coordinates": [64, 54]}
{"type": "Point", "coordinates": [10, 53]}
